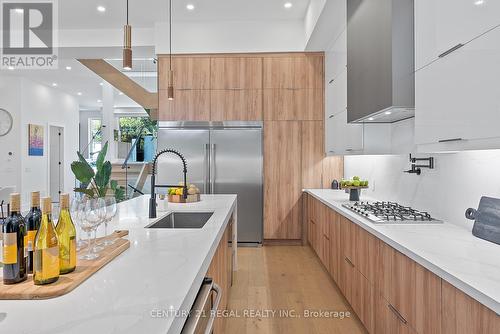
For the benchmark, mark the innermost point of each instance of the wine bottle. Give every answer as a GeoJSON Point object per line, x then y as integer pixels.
{"type": "Point", "coordinates": [33, 220]}
{"type": "Point", "coordinates": [66, 234]}
{"type": "Point", "coordinates": [14, 237]}
{"type": "Point", "coordinates": [46, 257]}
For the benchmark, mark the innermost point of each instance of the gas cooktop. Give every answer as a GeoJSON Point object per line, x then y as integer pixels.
{"type": "Point", "coordinates": [390, 213]}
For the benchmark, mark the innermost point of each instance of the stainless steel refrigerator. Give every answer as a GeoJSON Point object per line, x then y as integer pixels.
{"type": "Point", "coordinates": [222, 158]}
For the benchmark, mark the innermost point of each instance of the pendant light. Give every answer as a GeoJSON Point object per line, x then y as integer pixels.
{"type": "Point", "coordinates": [170, 90]}
{"type": "Point", "coordinates": [127, 45]}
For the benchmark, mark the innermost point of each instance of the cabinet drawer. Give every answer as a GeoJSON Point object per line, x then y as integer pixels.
{"type": "Point", "coordinates": [464, 315]}
{"type": "Point", "coordinates": [388, 320]}
{"type": "Point", "coordinates": [365, 256]}
{"type": "Point", "coordinates": [334, 231]}
{"type": "Point", "coordinates": [411, 289]}
{"type": "Point", "coordinates": [363, 300]}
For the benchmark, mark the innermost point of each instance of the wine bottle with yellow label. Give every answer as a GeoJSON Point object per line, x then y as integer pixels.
{"type": "Point", "coordinates": [14, 238]}
{"type": "Point", "coordinates": [46, 256]}
{"type": "Point", "coordinates": [33, 219]}
{"type": "Point", "coordinates": [66, 234]}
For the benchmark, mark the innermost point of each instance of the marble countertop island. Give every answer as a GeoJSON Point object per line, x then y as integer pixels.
{"type": "Point", "coordinates": [162, 271]}
{"type": "Point", "coordinates": [448, 250]}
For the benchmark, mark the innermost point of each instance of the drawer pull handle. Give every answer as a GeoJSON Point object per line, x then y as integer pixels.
{"type": "Point", "coordinates": [453, 49]}
{"type": "Point", "coordinates": [398, 315]}
{"type": "Point", "coordinates": [349, 261]}
{"type": "Point", "coordinates": [450, 140]}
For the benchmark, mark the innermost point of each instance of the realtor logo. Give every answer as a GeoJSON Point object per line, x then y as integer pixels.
{"type": "Point", "coordinates": [28, 34]}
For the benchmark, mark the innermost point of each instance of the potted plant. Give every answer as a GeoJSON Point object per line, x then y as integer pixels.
{"type": "Point", "coordinates": [96, 184]}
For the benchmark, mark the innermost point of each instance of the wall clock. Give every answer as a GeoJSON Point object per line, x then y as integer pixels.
{"type": "Point", "coordinates": [5, 122]}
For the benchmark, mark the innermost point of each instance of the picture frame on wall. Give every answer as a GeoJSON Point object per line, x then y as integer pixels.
{"type": "Point", "coordinates": [35, 140]}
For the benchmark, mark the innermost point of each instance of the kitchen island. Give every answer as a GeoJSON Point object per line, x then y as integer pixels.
{"type": "Point", "coordinates": [143, 290]}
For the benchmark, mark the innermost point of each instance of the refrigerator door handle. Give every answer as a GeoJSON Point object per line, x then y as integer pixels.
{"type": "Point", "coordinates": [212, 169]}
{"type": "Point", "coordinates": [206, 170]}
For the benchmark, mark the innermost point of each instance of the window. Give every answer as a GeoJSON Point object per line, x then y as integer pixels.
{"type": "Point", "coordinates": [95, 138]}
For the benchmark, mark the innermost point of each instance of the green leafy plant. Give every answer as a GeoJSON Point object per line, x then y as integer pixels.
{"type": "Point", "coordinates": [96, 184]}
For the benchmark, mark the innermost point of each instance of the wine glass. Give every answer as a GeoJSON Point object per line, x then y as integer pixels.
{"type": "Point", "coordinates": [101, 214]}
{"type": "Point", "coordinates": [77, 213]}
{"type": "Point", "coordinates": [110, 214]}
{"type": "Point", "coordinates": [93, 215]}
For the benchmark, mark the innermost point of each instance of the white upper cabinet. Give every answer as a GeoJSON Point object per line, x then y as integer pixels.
{"type": "Point", "coordinates": [342, 137]}
{"type": "Point", "coordinates": [440, 25]}
{"type": "Point", "coordinates": [458, 96]}
{"type": "Point", "coordinates": [336, 58]}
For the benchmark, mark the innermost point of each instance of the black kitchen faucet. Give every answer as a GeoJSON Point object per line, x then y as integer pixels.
{"type": "Point", "coordinates": [152, 200]}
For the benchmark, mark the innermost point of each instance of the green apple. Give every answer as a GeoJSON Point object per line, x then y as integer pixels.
{"type": "Point", "coordinates": [356, 178]}
{"type": "Point", "coordinates": [356, 183]}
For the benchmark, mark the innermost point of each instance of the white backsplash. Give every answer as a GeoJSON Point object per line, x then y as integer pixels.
{"type": "Point", "coordinates": [457, 182]}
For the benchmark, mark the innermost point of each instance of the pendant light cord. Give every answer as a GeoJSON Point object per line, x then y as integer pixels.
{"type": "Point", "coordinates": [127, 12]}
{"type": "Point", "coordinates": [170, 30]}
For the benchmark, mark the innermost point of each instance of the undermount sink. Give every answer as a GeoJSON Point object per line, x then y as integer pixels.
{"type": "Point", "coordinates": [182, 220]}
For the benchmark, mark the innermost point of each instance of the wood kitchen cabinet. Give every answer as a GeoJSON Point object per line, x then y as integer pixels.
{"type": "Point", "coordinates": [189, 72]}
{"type": "Point", "coordinates": [187, 105]}
{"type": "Point", "coordinates": [387, 320]}
{"type": "Point", "coordinates": [236, 105]}
{"type": "Point", "coordinates": [362, 300]}
{"type": "Point", "coordinates": [294, 72]}
{"type": "Point", "coordinates": [293, 87]}
{"type": "Point", "coordinates": [464, 315]}
{"type": "Point", "coordinates": [366, 253]}
{"type": "Point", "coordinates": [333, 222]}
{"type": "Point", "coordinates": [413, 292]}
{"type": "Point", "coordinates": [220, 270]}
{"type": "Point", "coordinates": [282, 180]}
{"type": "Point", "coordinates": [293, 104]}
{"type": "Point", "coordinates": [312, 154]}
{"type": "Point", "coordinates": [236, 73]}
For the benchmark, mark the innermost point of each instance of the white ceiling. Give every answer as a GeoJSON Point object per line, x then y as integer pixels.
{"type": "Point", "coordinates": [78, 14]}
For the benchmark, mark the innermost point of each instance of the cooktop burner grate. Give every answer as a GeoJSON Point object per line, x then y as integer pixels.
{"type": "Point", "coordinates": [390, 213]}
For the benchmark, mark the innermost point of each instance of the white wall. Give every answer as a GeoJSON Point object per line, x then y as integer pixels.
{"type": "Point", "coordinates": [10, 165]}
{"type": "Point", "coordinates": [231, 36]}
{"type": "Point", "coordinates": [457, 182]}
{"type": "Point", "coordinates": [40, 105]}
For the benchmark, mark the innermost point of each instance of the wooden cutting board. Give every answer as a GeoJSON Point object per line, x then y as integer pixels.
{"type": "Point", "coordinates": [66, 283]}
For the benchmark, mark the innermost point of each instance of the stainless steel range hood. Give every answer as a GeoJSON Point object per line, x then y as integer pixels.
{"type": "Point", "coordinates": [380, 61]}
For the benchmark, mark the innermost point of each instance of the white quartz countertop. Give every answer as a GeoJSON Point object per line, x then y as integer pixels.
{"type": "Point", "coordinates": [449, 251]}
{"type": "Point", "coordinates": [160, 273]}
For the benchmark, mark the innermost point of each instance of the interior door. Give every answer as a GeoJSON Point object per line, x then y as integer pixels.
{"type": "Point", "coordinates": [237, 169]}
{"type": "Point", "coordinates": [56, 158]}
{"type": "Point", "coordinates": [193, 145]}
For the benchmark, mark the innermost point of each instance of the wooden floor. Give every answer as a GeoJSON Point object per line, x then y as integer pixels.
{"type": "Point", "coordinates": [285, 278]}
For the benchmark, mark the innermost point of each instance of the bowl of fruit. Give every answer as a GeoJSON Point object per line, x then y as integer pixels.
{"type": "Point", "coordinates": [175, 194]}
{"type": "Point", "coordinates": [354, 186]}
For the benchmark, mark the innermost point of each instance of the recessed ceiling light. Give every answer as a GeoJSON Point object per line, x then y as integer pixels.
{"type": "Point", "coordinates": [190, 6]}
{"type": "Point", "coordinates": [68, 68]}
{"type": "Point", "coordinates": [99, 101]}
{"type": "Point", "coordinates": [79, 93]}
{"type": "Point", "coordinates": [288, 5]}
{"type": "Point", "coordinates": [11, 68]}
{"type": "Point", "coordinates": [101, 83]}
{"type": "Point", "coordinates": [54, 84]}
{"type": "Point", "coordinates": [101, 9]}
{"type": "Point", "coordinates": [371, 119]}
{"type": "Point", "coordinates": [478, 2]}
{"type": "Point", "coordinates": [19, 10]}
{"type": "Point", "coordinates": [120, 93]}
{"type": "Point", "coordinates": [388, 112]}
